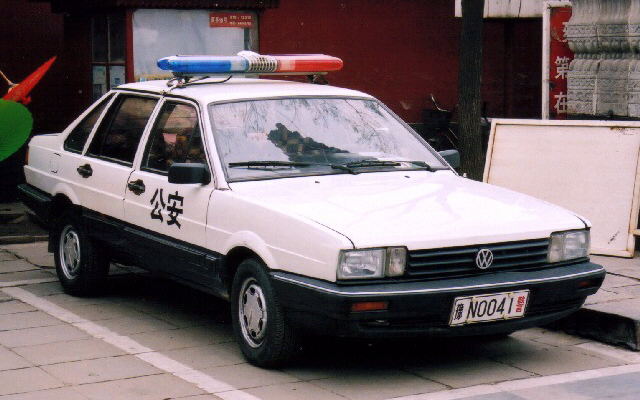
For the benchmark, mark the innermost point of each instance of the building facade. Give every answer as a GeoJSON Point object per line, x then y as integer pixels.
{"type": "Point", "coordinates": [604, 77]}
{"type": "Point", "coordinates": [401, 51]}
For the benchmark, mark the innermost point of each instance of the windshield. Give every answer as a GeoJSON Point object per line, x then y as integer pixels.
{"type": "Point", "coordinates": [271, 138]}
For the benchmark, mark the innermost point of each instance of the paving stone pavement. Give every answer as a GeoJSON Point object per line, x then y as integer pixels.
{"type": "Point", "coordinates": [16, 225]}
{"type": "Point", "coordinates": [613, 314]}
{"type": "Point", "coordinates": [153, 339]}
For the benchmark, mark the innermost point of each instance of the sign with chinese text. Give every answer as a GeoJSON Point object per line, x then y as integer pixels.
{"type": "Point", "coordinates": [560, 57]}
{"type": "Point", "coordinates": [230, 20]}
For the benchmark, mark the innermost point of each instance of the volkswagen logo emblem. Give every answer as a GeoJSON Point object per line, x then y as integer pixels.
{"type": "Point", "coordinates": [484, 259]}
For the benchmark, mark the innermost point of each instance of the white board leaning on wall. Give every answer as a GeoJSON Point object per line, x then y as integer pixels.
{"type": "Point", "coordinates": [589, 167]}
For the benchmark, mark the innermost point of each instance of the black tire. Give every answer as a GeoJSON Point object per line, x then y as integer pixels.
{"type": "Point", "coordinates": [267, 340]}
{"type": "Point", "coordinates": [83, 270]}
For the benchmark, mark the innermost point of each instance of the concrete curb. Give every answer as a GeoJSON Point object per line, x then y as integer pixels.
{"type": "Point", "coordinates": [605, 327]}
{"type": "Point", "coordinates": [9, 216]}
{"type": "Point", "coordinates": [18, 225]}
{"type": "Point", "coordinates": [19, 239]}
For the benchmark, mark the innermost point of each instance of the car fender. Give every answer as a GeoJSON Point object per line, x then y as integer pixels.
{"type": "Point", "coordinates": [63, 188]}
{"type": "Point", "coordinates": [254, 243]}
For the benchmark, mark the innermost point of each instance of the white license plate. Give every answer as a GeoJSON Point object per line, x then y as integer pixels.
{"type": "Point", "coordinates": [489, 307]}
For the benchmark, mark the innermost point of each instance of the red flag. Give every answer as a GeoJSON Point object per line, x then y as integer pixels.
{"type": "Point", "coordinates": [20, 92]}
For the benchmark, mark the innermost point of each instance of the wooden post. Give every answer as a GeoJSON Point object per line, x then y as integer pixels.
{"type": "Point", "coordinates": [469, 78]}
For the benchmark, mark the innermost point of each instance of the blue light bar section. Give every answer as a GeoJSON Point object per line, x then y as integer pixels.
{"type": "Point", "coordinates": [204, 64]}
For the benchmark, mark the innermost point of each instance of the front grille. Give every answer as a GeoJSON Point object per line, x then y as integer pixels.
{"type": "Point", "coordinates": [460, 261]}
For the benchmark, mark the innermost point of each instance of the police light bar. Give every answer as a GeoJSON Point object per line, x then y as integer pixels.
{"type": "Point", "coordinates": [247, 62]}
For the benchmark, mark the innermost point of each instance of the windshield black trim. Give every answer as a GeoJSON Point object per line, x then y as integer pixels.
{"type": "Point", "coordinates": [445, 165]}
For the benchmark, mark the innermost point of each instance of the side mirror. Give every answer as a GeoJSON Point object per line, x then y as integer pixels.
{"type": "Point", "coordinates": [452, 157]}
{"type": "Point", "coordinates": [189, 173]}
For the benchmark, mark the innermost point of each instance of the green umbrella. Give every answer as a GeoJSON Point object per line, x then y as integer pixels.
{"type": "Point", "coordinates": [15, 126]}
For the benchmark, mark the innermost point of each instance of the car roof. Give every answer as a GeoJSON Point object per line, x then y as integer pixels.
{"type": "Point", "coordinates": [237, 88]}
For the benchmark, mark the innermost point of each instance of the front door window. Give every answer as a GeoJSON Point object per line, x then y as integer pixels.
{"type": "Point", "coordinates": [175, 138]}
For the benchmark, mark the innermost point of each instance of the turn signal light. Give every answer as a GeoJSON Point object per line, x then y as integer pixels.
{"type": "Point", "coordinates": [369, 306]}
{"type": "Point", "coordinates": [588, 283]}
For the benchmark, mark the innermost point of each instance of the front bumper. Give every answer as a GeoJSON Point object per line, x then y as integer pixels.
{"type": "Point", "coordinates": [424, 308]}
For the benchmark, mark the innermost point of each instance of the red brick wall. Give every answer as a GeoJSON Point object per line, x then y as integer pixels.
{"type": "Point", "coordinates": [402, 50]}
{"type": "Point", "coordinates": [29, 35]}
{"type": "Point", "coordinates": [398, 50]}
{"type": "Point", "coordinates": [75, 61]}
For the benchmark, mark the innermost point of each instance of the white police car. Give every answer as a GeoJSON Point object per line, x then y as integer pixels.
{"type": "Point", "coordinates": [313, 209]}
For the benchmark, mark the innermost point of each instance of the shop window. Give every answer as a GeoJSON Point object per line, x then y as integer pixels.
{"type": "Point", "coordinates": [160, 33]}
{"type": "Point", "coordinates": [108, 52]}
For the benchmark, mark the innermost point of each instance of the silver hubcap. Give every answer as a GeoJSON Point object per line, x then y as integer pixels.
{"type": "Point", "coordinates": [252, 309]}
{"type": "Point", "coordinates": [69, 252]}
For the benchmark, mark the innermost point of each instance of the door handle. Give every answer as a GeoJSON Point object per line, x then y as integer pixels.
{"type": "Point", "coordinates": [85, 170]}
{"type": "Point", "coordinates": [137, 187]}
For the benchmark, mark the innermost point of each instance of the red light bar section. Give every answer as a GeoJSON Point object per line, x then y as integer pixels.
{"type": "Point", "coordinates": [307, 63]}
{"type": "Point", "coordinates": [247, 62]}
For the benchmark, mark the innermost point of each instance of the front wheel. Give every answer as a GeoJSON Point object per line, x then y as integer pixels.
{"type": "Point", "coordinates": [81, 265]}
{"type": "Point", "coordinates": [265, 337]}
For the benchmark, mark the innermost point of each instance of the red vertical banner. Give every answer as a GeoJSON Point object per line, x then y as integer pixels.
{"type": "Point", "coordinates": [560, 56]}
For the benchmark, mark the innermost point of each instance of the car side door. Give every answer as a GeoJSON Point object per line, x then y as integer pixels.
{"type": "Point", "coordinates": [102, 172]}
{"type": "Point", "coordinates": [170, 218]}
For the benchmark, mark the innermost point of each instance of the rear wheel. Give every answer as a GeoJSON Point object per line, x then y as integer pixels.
{"type": "Point", "coordinates": [81, 264]}
{"type": "Point", "coordinates": [264, 335]}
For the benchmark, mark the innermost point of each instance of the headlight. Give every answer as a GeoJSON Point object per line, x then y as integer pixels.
{"type": "Point", "coordinates": [372, 263]}
{"type": "Point", "coordinates": [568, 245]}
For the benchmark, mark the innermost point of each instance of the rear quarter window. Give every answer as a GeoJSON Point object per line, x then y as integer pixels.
{"type": "Point", "coordinates": [78, 136]}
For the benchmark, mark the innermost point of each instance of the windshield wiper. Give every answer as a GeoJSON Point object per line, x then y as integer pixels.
{"type": "Point", "coordinates": [291, 164]}
{"type": "Point", "coordinates": [387, 163]}
{"type": "Point", "coordinates": [424, 165]}
{"type": "Point", "coordinates": [372, 163]}
{"type": "Point", "coordinates": [348, 167]}
{"type": "Point", "coordinates": [268, 164]}
{"type": "Point", "coordinates": [342, 168]}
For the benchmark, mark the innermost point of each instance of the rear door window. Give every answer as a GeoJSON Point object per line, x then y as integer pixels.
{"type": "Point", "coordinates": [119, 134]}
{"type": "Point", "coordinates": [78, 136]}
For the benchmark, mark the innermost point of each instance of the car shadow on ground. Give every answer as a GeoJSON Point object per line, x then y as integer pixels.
{"type": "Point", "coordinates": [157, 295]}
{"type": "Point", "coordinates": [151, 290]}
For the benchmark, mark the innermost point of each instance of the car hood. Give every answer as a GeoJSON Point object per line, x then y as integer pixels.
{"type": "Point", "coordinates": [417, 209]}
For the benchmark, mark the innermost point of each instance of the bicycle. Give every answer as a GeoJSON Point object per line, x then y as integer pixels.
{"type": "Point", "coordinates": [441, 129]}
